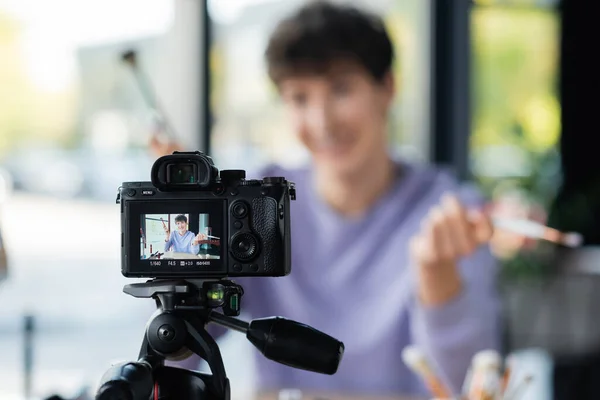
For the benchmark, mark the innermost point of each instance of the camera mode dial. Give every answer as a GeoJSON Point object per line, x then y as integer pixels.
{"type": "Point", "coordinates": [244, 246]}
{"type": "Point", "coordinates": [273, 180]}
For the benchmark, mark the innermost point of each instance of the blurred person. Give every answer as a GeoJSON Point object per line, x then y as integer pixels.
{"type": "Point", "coordinates": [384, 253]}
{"type": "Point", "coordinates": [181, 240]}
{"type": "Point", "coordinates": [3, 260]}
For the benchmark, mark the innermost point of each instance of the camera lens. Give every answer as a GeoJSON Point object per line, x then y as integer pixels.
{"type": "Point", "coordinates": [182, 173]}
{"type": "Point", "coordinates": [244, 246]}
{"type": "Point", "coordinates": [239, 209]}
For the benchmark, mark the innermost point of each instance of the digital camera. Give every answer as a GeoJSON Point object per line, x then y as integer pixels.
{"type": "Point", "coordinates": [191, 221]}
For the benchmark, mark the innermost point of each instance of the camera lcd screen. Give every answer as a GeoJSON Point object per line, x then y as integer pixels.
{"type": "Point", "coordinates": [177, 238]}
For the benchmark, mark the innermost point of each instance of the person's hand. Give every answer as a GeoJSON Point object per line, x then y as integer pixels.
{"type": "Point", "coordinates": [167, 231]}
{"type": "Point", "coordinates": [161, 146]}
{"type": "Point", "coordinates": [506, 244]}
{"type": "Point", "coordinates": [199, 237]}
{"type": "Point", "coordinates": [448, 233]}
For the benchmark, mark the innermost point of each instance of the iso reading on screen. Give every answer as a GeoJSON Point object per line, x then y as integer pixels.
{"type": "Point", "coordinates": [159, 263]}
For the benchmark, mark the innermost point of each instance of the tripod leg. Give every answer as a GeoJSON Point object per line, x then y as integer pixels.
{"type": "Point", "coordinates": [145, 349]}
{"type": "Point", "coordinates": [200, 342]}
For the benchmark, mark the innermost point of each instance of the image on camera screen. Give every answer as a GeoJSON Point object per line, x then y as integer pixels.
{"type": "Point", "coordinates": [184, 236]}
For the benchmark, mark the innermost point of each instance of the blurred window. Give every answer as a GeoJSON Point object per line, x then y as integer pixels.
{"type": "Point", "coordinates": [516, 110]}
{"type": "Point", "coordinates": [73, 126]}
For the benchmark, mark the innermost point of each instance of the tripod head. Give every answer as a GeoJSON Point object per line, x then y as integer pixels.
{"type": "Point", "coordinates": [178, 329]}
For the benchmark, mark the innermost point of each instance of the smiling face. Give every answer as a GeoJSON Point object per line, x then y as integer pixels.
{"type": "Point", "coordinates": [181, 227]}
{"type": "Point", "coordinates": [340, 116]}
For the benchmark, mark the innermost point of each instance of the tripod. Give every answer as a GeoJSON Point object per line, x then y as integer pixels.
{"type": "Point", "coordinates": [185, 308]}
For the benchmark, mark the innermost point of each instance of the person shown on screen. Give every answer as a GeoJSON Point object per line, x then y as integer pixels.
{"type": "Point", "coordinates": [181, 240]}
{"type": "Point", "coordinates": [385, 253]}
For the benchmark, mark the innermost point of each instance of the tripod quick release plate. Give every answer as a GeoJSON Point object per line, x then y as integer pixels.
{"type": "Point", "coordinates": [188, 295]}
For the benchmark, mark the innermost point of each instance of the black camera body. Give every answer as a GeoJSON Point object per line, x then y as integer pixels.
{"type": "Point", "coordinates": [192, 222]}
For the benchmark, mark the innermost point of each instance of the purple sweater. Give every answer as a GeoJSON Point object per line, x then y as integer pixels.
{"type": "Point", "coordinates": [182, 244]}
{"type": "Point", "coordinates": [351, 279]}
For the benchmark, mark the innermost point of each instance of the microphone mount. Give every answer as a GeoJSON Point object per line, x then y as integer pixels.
{"type": "Point", "coordinates": [177, 329]}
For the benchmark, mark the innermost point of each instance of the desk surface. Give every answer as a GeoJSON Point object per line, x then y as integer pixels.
{"type": "Point", "coordinates": [172, 255]}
